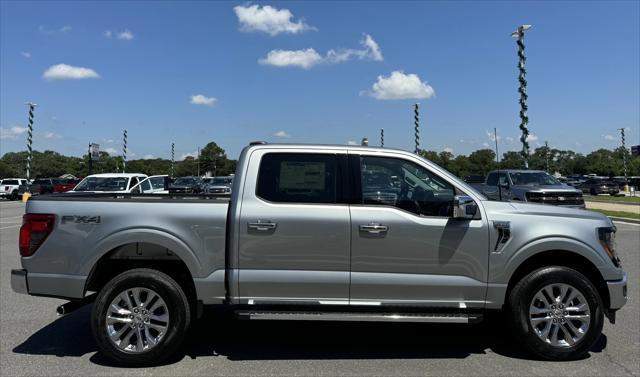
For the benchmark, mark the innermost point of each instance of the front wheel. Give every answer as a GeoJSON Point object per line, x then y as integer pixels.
{"type": "Point", "coordinates": [557, 312]}
{"type": "Point", "coordinates": [140, 317]}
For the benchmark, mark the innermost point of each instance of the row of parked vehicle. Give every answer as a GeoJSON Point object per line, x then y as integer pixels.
{"type": "Point", "coordinates": [14, 188]}
{"type": "Point", "coordinates": [540, 187]}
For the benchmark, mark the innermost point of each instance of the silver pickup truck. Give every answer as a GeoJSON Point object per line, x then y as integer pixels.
{"type": "Point", "coordinates": [326, 233]}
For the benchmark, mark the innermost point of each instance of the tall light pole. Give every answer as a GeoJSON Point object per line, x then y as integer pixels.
{"type": "Point", "coordinates": [32, 107]}
{"type": "Point", "coordinates": [624, 159]}
{"type": "Point", "coordinates": [416, 127]}
{"type": "Point", "coordinates": [524, 119]}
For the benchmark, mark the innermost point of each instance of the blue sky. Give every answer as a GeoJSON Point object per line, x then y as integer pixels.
{"type": "Point", "coordinates": [302, 72]}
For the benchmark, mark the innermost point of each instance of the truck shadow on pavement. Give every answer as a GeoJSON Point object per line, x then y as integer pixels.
{"type": "Point", "coordinates": [217, 335]}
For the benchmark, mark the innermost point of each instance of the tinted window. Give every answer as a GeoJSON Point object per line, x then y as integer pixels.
{"type": "Point", "coordinates": [502, 179]}
{"type": "Point", "coordinates": [133, 182]}
{"type": "Point", "coordinates": [297, 178]}
{"type": "Point", "coordinates": [10, 182]}
{"type": "Point", "coordinates": [157, 183]}
{"type": "Point", "coordinates": [405, 185]}
{"type": "Point", "coordinates": [42, 181]}
{"type": "Point", "coordinates": [492, 179]}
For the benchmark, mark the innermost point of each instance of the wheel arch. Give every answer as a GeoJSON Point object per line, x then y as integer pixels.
{"type": "Point", "coordinates": [563, 258]}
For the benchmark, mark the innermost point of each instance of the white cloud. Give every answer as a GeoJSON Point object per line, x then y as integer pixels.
{"type": "Point", "coordinates": [351, 142]}
{"type": "Point", "coordinates": [609, 137]}
{"type": "Point", "coordinates": [65, 29]}
{"type": "Point", "coordinates": [148, 157]}
{"type": "Point", "coordinates": [492, 136]}
{"type": "Point", "coordinates": [126, 35]}
{"type": "Point", "coordinates": [486, 145]}
{"type": "Point", "coordinates": [448, 149]}
{"type": "Point", "coordinates": [50, 135]}
{"type": "Point", "coordinates": [26, 54]}
{"type": "Point", "coordinates": [282, 134]}
{"type": "Point", "coordinates": [12, 132]}
{"type": "Point", "coordinates": [299, 58]}
{"type": "Point", "coordinates": [69, 72]}
{"type": "Point", "coordinates": [200, 99]}
{"type": "Point", "coordinates": [399, 85]}
{"type": "Point", "coordinates": [268, 19]}
{"type": "Point", "coordinates": [531, 138]}
{"type": "Point", "coordinates": [111, 151]}
{"type": "Point", "coordinates": [509, 139]}
{"type": "Point", "coordinates": [310, 57]}
{"type": "Point", "coordinates": [189, 154]}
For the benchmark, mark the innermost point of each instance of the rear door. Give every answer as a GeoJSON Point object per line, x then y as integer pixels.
{"type": "Point", "coordinates": [294, 231]}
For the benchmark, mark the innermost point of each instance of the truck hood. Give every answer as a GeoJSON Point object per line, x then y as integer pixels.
{"type": "Point", "coordinates": [496, 207]}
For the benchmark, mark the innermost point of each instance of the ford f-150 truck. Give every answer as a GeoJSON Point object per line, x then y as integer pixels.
{"type": "Point", "coordinates": [326, 233]}
{"type": "Point", "coordinates": [533, 186]}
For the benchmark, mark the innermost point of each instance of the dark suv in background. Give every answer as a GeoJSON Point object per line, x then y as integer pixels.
{"type": "Point", "coordinates": [597, 186]}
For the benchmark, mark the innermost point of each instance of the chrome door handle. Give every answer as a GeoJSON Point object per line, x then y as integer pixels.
{"type": "Point", "coordinates": [374, 228]}
{"type": "Point", "coordinates": [263, 225]}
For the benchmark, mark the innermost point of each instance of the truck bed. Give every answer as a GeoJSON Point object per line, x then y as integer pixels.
{"type": "Point", "coordinates": [89, 227]}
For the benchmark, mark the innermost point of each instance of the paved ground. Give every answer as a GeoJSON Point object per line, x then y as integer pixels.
{"type": "Point", "coordinates": [34, 341]}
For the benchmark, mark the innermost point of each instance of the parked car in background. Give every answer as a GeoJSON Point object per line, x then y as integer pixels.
{"type": "Point", "coordinates": [534, 186]}
{"type": "Point", "coordinates": [109, 182]}
{"type": "Point", "coordinates": [155, 184]}
{"type": "Point", "coordinates": [65, 184]}
{"type": "Point", "coordinates": [599, 185]}
{"type": "Point", "coordinates": [186, 185]}
{"type": "Point", "coordinates": [219, 185]}
{"type": "Point", "coordinates": [9, 187]}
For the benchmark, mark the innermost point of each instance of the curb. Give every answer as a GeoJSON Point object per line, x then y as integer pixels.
{"type": "Point", "coordinates": [603, 202]}
{"type": "Point", "coordinates": [624, 220]}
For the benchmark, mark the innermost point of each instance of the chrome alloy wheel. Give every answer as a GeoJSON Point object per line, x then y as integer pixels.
{"type": "Point", "coordinates": [137, 319]}
{"type": "Point", "coordinates": [559, 314]}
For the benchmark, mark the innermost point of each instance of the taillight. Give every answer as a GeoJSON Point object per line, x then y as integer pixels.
{"type": "Point", "coordinates": [34, 230]}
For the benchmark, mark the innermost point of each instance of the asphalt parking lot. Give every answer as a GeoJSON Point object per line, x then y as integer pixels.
{"type": "Point", "coordinates": [34, 341]}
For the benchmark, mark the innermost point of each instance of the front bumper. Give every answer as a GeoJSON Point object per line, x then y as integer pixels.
{"type": "Point", "coordinates": [617, 292]}
{"type": "Point", "coordinates": [19, 281]}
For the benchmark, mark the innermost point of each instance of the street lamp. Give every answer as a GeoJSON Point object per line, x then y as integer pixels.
{"type": "Point", "coordinates": [524, 119]}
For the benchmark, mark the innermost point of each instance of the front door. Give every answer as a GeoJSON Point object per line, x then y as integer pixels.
{"type": "Point", "coordinates": [294, 229]}
{"type": "Point", "coordinates": [406, 247]}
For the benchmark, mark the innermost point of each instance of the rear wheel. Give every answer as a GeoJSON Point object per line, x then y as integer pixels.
{"type": "Point", "coordinates": [14, 195]}
{"type": "Point", "coordinates": [140, 317]}
{"type": "Point", "coordinates": [557, 312]}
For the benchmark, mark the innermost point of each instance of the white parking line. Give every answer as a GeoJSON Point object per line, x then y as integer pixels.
{"type": "Point", "coordinates": [626, 223]}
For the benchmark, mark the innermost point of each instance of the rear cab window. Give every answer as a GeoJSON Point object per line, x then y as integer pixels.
{"type": "Point", "coordinates": [298, 178]}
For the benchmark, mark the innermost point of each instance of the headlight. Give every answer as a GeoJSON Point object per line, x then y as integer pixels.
{"type": "Point", "coordinates": [607, 237]}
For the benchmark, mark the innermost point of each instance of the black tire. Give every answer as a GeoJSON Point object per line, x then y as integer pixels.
{"type": "Point", "coordinates": [14, 195]}
{"type": "Point", "coordinates": [178, 306]}
{"type": "Point", "coordinates": [521, 297]}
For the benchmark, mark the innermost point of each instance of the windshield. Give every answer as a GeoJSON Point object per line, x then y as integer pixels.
{"type": "Point", "coordinates": [184, 181]}
{"type": "Point", "coordinates": [533, 179]}
{"type": "Point", "coordinates": [103, 184]}
{"type": "Point", "coordinates": [221, 181]}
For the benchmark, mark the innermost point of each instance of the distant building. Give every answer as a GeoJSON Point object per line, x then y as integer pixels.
{"type": "Point", "coordinates": [635, 150]}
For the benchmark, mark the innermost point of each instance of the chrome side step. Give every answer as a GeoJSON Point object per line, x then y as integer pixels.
{"type": "Point", "coordinates": [360, 317]}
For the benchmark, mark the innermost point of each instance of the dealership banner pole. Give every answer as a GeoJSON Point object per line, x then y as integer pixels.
{"type": "Point", "coordinates": [173, 159]}
{"type": "Point", "coordinates": [124, 151]}
{"type": "Point", "coordinates": [32, 107]}
{"type": "Point", "coordinates": [382, 137]}
{"type": "Point", "coordinates": [416, 127]}
{"type": "Point", "coordinates": [522, 89]}
{"type": "Point", "coordinates": [624, 159]}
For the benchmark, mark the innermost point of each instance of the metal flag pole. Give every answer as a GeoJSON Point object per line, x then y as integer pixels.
{"type": "Point", "coordinates": [524, 119]}
{"type": "Point", "coordinates": [495, 137]}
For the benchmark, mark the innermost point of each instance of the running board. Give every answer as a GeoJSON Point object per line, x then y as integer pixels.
{"type": "Point", "coordinates": [360, 317]}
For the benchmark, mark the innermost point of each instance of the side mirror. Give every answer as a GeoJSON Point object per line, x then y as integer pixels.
{"type": "Point", "coordinates": [464, 207]}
